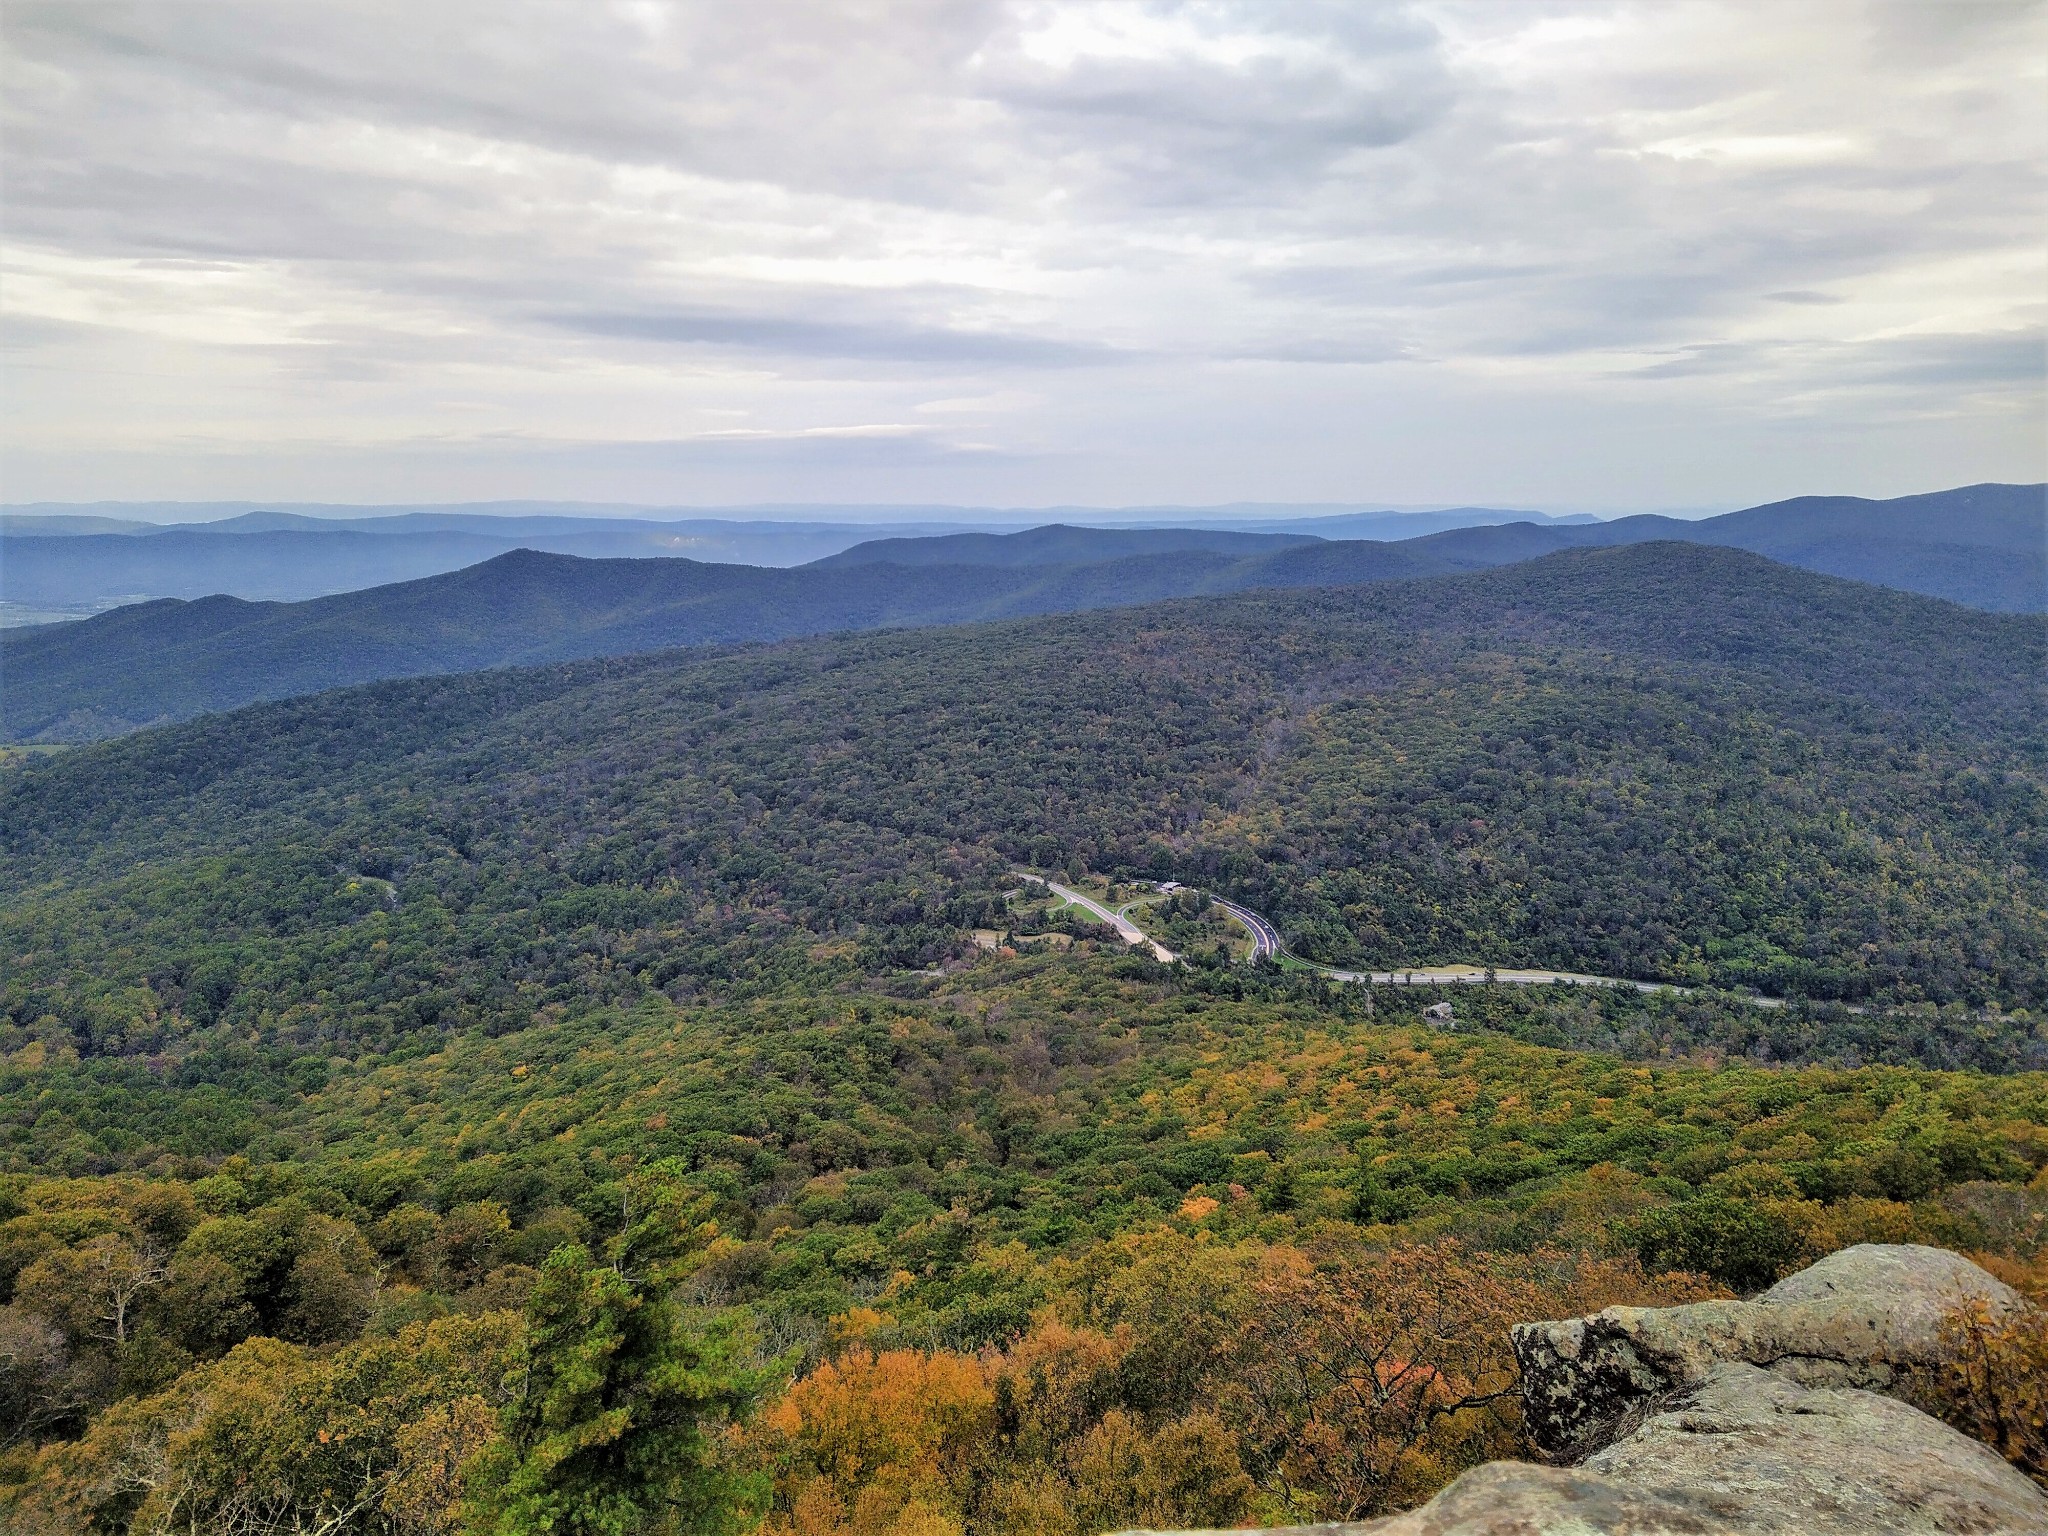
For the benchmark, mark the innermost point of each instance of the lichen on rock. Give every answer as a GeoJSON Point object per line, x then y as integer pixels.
{"type": "Point", "coordinates": [1759, 1418]}
{"type": "Point", "coordinates": [1858, 1318]}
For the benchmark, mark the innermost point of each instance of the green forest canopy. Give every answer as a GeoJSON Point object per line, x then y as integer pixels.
{"type": "Point", "coordinates": [340, 1034]}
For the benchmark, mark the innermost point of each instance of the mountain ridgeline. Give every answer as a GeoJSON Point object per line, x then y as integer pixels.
{"type": "Point", "coordinates": [1059, 544]}
{"type": "Point", "coordinates": [1985, 545]}
{"type": "Point", "coordinates": [1663, 761]}
{"type": "Point", "coordinates": [282, 558]}
{"type": "Point", "coordinates": [168, 660]}
{"type": "Point", "coordinates": [70, 563]}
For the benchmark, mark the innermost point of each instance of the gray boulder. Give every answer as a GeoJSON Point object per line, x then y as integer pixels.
{"type": "Point", "coordinates": [1745, 1452]}
{"type": "Point", "coordinates": [1754, 1418]}
{"type": "Point", "coordinates": [1858, 1318]}
{"type": "Point", "coordinates": [1765, 1454]}
{"type": "Point", "coordinates": [1513, 1498]}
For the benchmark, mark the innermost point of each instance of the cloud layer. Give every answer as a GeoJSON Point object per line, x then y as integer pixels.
{"type": "Point", "coordinates": [1597, 254]}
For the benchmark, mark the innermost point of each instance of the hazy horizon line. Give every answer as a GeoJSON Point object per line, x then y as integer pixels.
{"type": "Point", "coordinates": [176, 512]}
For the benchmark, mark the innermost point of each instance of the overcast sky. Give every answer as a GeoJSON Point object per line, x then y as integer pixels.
{"type": "Point", "coordinates": [1562, 255]}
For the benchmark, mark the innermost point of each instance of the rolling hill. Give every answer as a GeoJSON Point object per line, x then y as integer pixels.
{"type": "Point", "coordinates": [1663, 760]}
{"type": "Point", "coordinates": [1060, 544]}
{"type": "Point", "coordinates": [69, 564]}
{"type": "Point", "coordinates": [268, 556]}
{"type": "Point", "coordinates": [1983, 545]}
{"type": "Point", "coordinates": [167, 660]}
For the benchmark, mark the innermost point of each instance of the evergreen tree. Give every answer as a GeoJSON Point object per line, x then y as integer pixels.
{"type": "Point", "coordinates": [619, 1391]}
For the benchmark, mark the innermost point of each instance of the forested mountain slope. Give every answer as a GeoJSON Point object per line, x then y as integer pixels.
{"type": "Point", "coordinates": [1664, 761]}
{"type": "Point", "coordinates": [355, 1039]}
{"type": "Point", "coordinates": [1057, 1191]}
{"type": "Point", "coordinates": [1984, 545]}
{"type": "Point", "coordinates": [166, 661]}
{"type": "Point", "coordinates": [1059, 544]}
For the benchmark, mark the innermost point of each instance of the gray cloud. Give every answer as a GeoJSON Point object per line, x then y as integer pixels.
{"type": "Point", "coordinates": [1951, 361]}
{"type": "Point", "coordinates": [840, 339]}
{"type": "Point", "coordinates": [1339, 348]}
{"type": "Point", "coordinates": [1707, 357]}
{"type": "Point", "coordinates": [1116, 247]}
{"type": "Point", "coordinates": [1195, 124]}
{"type": "Point", "coordinates": [2015, 358]}
{"type": "Point", "coordinates": [827, 453]}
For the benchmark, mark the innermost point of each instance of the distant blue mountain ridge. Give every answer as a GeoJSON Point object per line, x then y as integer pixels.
{"type": "Point", "coordinates": [68, 563]}
{"type": "Point", "coordinates": [1985, 546]}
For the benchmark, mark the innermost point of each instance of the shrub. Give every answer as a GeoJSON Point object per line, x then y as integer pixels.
{"type": "Point", "coordinates": [1993, 1383]}
{"type": "Point", "coordinates": [1743, 1244]}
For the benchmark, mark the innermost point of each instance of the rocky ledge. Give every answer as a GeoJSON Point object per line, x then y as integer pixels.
{"type": "Point", "coordinates": [1752, 1418]}
{"type": "Point", "coordinates": [1858, 1318]}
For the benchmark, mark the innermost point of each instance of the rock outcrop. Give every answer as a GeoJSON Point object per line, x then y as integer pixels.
{"type": "Point", "coordinates": [1858, 1318]}
{"type": "Point", "coordinates": [1757, 1452]}
{"type": "Point", "coordinates": [1758, 1418]}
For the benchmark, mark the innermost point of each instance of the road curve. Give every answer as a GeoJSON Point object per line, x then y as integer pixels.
{"type": "Point", "coordinates": [1130, 932]}
{"type": "Point", "coordinates": [1266, 945]}
{"type": "Point", "coordinates": [1265, 937]}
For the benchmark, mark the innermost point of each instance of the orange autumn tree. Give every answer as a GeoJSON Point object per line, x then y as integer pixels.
{"type": "Point", "coordinates": [878, 1444]}
{"type": "Point", "coordinates": [1077, 1454]}
{"type": "Point", "coordinates": [1992, 1382]}
{"type": "Point", "coordinates": [1035, 1440]}
{"type": "Point", "coordinates": [1178, 1380]}
{"type": "Point", "coordinates": [1364, 1381]}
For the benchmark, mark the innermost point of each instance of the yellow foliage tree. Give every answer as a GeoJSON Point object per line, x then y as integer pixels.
{"type": "Point", "coordinates": [879, 1444]}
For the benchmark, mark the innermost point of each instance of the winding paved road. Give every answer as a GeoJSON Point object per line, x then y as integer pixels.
{"type": "Point", "coordinates": [1267, 945]}
{"type": "Point", "coordinates": [1265, 937]}
{"type": "Point", "coordinates": [1131, 932]}
{"type": "Point", "coordinates": [1454, 975]}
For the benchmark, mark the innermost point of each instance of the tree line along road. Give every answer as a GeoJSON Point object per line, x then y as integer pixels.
{"type": "Point", "coordinates": [1131, 933]}
{"type": "Point", "coordinates": [1267, 945]}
